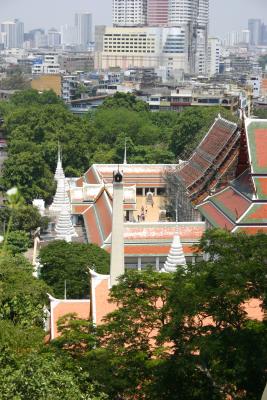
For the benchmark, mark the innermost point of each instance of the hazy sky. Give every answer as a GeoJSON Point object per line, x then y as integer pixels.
{"type": "Point", "coordinates": [225, 15]}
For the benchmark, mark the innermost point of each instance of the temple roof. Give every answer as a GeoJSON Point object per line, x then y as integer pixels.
{"type": "Point", "coordinates": [151, 239]}
{"type": "Point", "coordinates": [142, 175]}
{"type": "Point", "coordinates": [210, 153]}
{"type": "Point", "coordinates": [256, 132]}
{"type": "Point", "coordinates": [242, 206]}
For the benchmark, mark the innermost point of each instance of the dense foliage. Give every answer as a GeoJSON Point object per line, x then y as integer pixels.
{"type": "Point", "coordinates": [30, 369]}
{"type": "Point", "coordinates": [69, 262]}
{"type": "Point", "coordinates": [183, 336]}
{"type": "Point", "coordinates": [34, 123]}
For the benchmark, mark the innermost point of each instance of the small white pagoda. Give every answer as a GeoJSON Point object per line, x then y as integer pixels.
{"type": "Point", "coordinates": [64, 228]}
{"type": "Point", "coordinates": [176, 256]}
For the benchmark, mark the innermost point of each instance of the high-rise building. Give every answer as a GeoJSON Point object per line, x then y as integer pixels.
{"type": "Point", "coordinates": [194, 14]}
{"type": "Point", "coordinates": [144, 47]}
{"type": "Point", "coordinates": [214, 52]}
{"type": "Point", "coordinates": [83, 24]}
{"type": "Point", "coordinates": [68, 34]}
{"type": "Point", "coordinates": [183, 11]}
{"type": "Point", "coordinates": [129, 12]}
{"type": "Point", "coordinates": [245, 36]}
{"type": "Point", "coordinates": [157, 12]}
{"type": "Point", "coordinates": [13, 33]}
{"type": "Point", "coordinates": [254, 27]}
{"type": "Point", "coordinates": [53, 38]}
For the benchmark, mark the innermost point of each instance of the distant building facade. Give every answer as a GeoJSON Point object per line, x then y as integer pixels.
{"type": "Point", "coordinates": [144, 47]}
{"type": "Point", "coordinates": [129, 12]}
{"type": "Point", "coordinates": [157, 12]}
{"type": "Point", "coordinates": [12, 34]}
{"type": "Point", "coordinates": [83, 25]}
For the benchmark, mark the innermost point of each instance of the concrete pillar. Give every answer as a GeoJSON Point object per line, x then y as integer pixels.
{"type": "Point", "coordinates": [139, 263]}
{"type": "Point", "coordinates": [157, 263]}
{"type": "Point", "coordinates": [144, 191]}
{"type": "Point", "coordinates": [117, 267]}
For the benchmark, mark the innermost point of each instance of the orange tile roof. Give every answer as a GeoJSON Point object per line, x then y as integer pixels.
{"type": "Point", "coordinates": [231, 203]}
{"type": "Point", "coordinates": [92, 227]}
{"type": "Point", "coordinates": [63, 307]}
{"type": "Point", "coordinates": [215, 217]}
{"type": "Point", "coordinates": [79, 209]}
{"type": "Point", "coordinates": [261, 147]}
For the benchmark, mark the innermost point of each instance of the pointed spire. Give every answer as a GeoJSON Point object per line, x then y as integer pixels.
{"type": "Point", "coordinates": [59, 170]}
{"type": "Point", "coordinates": [176, 256]}
{"type": "Point", "coordinates": [125, 152]}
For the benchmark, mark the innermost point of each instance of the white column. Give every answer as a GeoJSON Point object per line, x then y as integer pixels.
{"type": "Point", "coordinates": [139, 263]}
{"type": "Point", "coordinates": [157, 263]}
{"type": "Point", "coordinates": [117, 267]}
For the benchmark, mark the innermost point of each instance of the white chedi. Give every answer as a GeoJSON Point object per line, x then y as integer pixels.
{"type": "Point", "coordinates": [64, 228]}
{"type": "Point", "coordinates": [59, 174]}
{"type": "Point", "coordinates": [61, 197]}
{"type": "Point", "coordinates": [176, 255]}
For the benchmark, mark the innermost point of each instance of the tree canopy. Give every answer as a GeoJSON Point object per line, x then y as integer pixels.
{"type": "Point", "coordinates": [34, 123]}
{"type": "Point", "coordinates": [184, 335]}
{"type": "Point", "coordinates": [70, 261]}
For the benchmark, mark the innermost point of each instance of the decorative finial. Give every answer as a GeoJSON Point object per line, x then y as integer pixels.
{"type": "Point", "coordinates": [58, 151]}
{"type": "Point", "coordinates": [125, 152]}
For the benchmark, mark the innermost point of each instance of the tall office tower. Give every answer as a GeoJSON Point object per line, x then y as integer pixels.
{"type": "Point", "coordinates": [203, 12]}
{"type": "Point", "coordinates": [53, 38]}
{"type": "Point", "coordinates": [245, 36]}
{"type": "Point", "coordinates": [129, 12]}
{"type": "Point", "coordinates": [214, 52]}
{"type": "Point", "coordinates": [157, 12]}
{"type": "Point", "coordinates": [254, 26]}
{"type": "Point", "coordinates": [83, 24]}
{"type": "Point", "coordinates": [14, 33]}
{"type": "Point", "coordinates": [183, 11]}
{"type": "Point", "coordinates": [194, 14]}
{"type": "Point", "coordinates": [68, 34]}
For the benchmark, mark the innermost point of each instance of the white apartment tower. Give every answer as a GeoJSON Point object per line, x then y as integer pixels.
{"type": "Point", "coordinates": [83, 25]}
{"type": "Point", "coordinates": [183, 11]}
{"type": "Point", "coordinates": [194, 14]}
{"type": "Point", "coordinates": [12, 33]}
{"type": "Point", "coordinates": [129, 12]}
{"type": "Point", "coordinates": [214, 52]}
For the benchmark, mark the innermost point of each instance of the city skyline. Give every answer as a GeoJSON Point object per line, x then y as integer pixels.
{"type": "Point", "coordinates": [221, 20]}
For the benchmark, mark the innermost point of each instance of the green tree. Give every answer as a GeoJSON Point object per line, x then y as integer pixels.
{"type": "Point", "coordinates": [40, 376]}
{"type": "Point", "coordinates": [70, 261]}
{"type": "Point", "coordinates": [22, 297]}
{"type": "Point", "coordinates": [125, 100]}
{"type": "Point", "coordinates": [18, 242]}
{"type": "Point", "coordinates": [33, 97]}
{"type": "Point", "coordinates": [208, 314]}
{"type": "Point", "coordinates": [26, 218]}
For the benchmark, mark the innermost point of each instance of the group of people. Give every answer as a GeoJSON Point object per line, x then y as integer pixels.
{"type": "Point", "coordinates": [142, 216]}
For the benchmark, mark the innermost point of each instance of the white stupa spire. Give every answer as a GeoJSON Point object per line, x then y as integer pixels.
{"type": "Point", "coordinates": [176, 256]}
{"type": "Point", "coordinates": [61, 197]}
{"type": "Point", "coordinates": [59, 174]}
{"type": "Point", "coordinates": [64, 227]}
